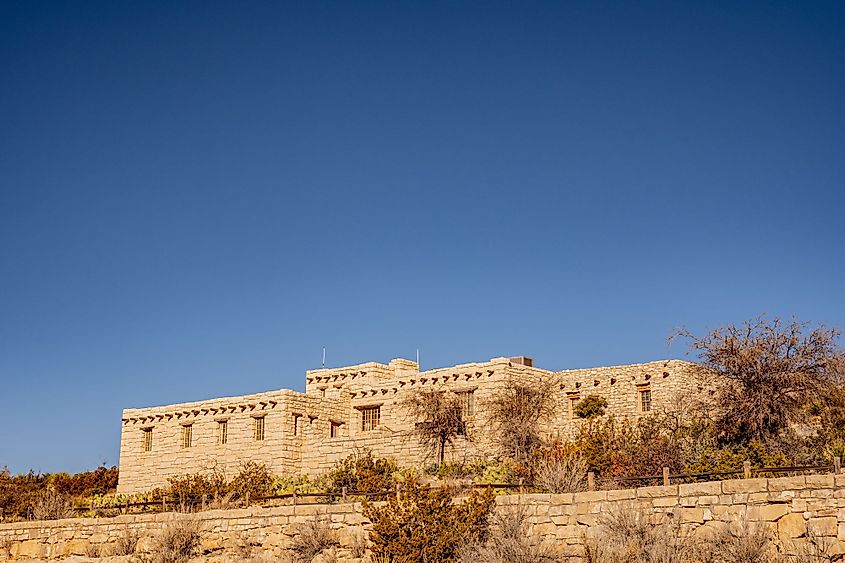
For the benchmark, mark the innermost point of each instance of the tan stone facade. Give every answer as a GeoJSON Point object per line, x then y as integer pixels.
{"type": "Point", "coordinates": [344, 410]}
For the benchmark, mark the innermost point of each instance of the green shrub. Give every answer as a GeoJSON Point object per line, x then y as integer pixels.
{"type": "Point", "coordinates": [189, 490]}
{"type": "Point", "coordinates": [590, 406]}
{"type": "Point", "coordinates": [253, 480]}
{"type": "Point", "coordinates": [426, 524]}
{"type": "Point", "coordinates": [361, 472]}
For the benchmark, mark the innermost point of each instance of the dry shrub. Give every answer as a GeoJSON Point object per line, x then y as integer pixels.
{"type": "Point", "coordinates": [126, 543]}
{"type": "Point", "coordinates": [627, 535]}
{"type": "Point", "coordinates": [314, 538]}
{"type": "Point", "coordinates": [359, 545]}
{"type": "Point", "coordinates": [558, 470]}
{"type": "Point", "coordinates": [177, 542]}
{"type": "Point", "coordinates": [509, 542]}
{"type": "Point", "coordinates": [253, 480]}
{"type": "Point", "coordinates": [50, 505]}
{"type": "Point", "coordinates": [739, 542]}
{"type": "Point", "coordinates": [515, 414]}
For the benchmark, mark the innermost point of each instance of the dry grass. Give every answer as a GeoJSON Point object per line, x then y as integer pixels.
{"type": "Point", "coordinates": [739, 542]}
{"type": "Point", "coordinates": [126, 543]}
{"type": "Point", "coordinates": [627, 535]}
{"type": "Point", "coordinates": [509, 542]}
{"type": "Point", "coordinates": [561, 474]}
{"type": "Point", "coordinates": [314, 538]}
{"type": "Point", "coordinates": [177, 542]}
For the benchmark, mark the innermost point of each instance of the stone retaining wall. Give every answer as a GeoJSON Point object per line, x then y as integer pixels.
{"type": "Point", "coordinates": [792, 507]}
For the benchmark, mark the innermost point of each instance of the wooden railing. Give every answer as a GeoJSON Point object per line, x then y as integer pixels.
{"type": "Point", "coordinates": [296, 498]}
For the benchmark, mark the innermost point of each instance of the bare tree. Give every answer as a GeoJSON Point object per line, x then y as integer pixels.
{"type": "Point", "coordinates": [767, 371]}
{"type": "Point", "coordinates": [515, 412]}
{"type": "Point", "coordinates": [438, 417]}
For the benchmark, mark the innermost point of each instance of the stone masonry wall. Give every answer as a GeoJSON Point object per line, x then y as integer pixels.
{"type": "Point", "coordinates": [307, 433]}
{"type": "Point", "coordinates": [791, 507]}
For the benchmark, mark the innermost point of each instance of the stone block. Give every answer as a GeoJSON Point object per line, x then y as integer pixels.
{"type": "Point", "coordinates": [699, 489]}
{"type": "Point", "coordinates": [820, 481]}
{"type": "Point", "coordinates": [826, 526]}
{"type": "Point", "coordinates": [745, 486]}
{"type": "Point", "coordinates": [772, 512]}
{"type": "Point", "coordinates": [692, 515]}
{"type": "Point", "coordinates": [791, 526]}
{"type": "Point", "coordinates": [787, 483]}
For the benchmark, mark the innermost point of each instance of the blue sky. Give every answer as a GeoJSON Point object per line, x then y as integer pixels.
{"type": "Point", "coordinates": [196, 197]}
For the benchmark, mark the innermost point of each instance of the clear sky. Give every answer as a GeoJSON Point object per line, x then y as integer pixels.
{"type": "Point", "coordinates": [196, 197]}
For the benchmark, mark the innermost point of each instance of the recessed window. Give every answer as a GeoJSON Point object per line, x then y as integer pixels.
{"type": "Point", "coordinates": [573, 402]}
{"type": "Point", "coordinates": [334, 431]}
{"type": "Point", "coordinates": [370, 417]}
{"type": "Point", "coordinates": [222, 432]}
{"type": "Point", "coordinates": [187, 435]}
{"type": "Point", "coordinates": [297, 425]}
{"type": "Point", "coordinates": [645, 400]}
{"type": "Point", "coordinates": [258, 428]}
{"type": "Point", "coordinates": [467, 399]}
{"type": "Point", "coordinates": [147, 434]}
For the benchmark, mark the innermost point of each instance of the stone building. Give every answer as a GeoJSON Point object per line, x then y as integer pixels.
{"type": "Point", "coordinates": [347, 409]}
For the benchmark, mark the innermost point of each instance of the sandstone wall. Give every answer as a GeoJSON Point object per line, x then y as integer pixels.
{"type": "Point", "coordinates": [298, 428]}
{"type": "Point", "coordinates": [790, 506]}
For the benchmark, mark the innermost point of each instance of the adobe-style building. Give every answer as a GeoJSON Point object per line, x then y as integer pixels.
{"type": "Point", "coordinates": [344, 410]}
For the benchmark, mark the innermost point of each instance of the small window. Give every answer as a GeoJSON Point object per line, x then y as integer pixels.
{"type": "Point", "coordinates": [148, 439]}
{"type": "Point", "coordinates": [370, 417]}
{"type": "Point", "coordinates": [222, 432]}
{"type": "Point", "coordinates": [187, 435]}
{"type": "Point", "coordinates": [645, 400]}
{"type": "Point", "coordinates": [258, 428]}
{"type": "Point", "coordinates": [573, 402]}
{"type": "Point", "coordinates": [467, 399]}
{"type": "Point", "coordinates": [297, 425]}
{"type": "Point", "coordinates": [334, 431]}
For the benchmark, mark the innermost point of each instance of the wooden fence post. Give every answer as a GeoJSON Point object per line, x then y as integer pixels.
{"type": "Point", "coordinates": [746, 469]}
{"type": "Point", "coordinates": [343, 493]}
{"type": "Point", "coordinates": [837, 465]}
{"type": "Point", "coordinates": [164, 503]}
{"type": "Point", "coordinates": [397, 492]}
{"type": "Point", "coordinates": [247, 499]}
{"type": "Point", "coordinates": [666, 476]}
{"type": "Point", "coordinates": [294, 497]}
{"type": "Point", "coordinates": [521, 486]}
{"type": "Point", "coordinates": [591, 481]}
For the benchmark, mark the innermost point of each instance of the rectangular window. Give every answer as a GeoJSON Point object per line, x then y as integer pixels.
{"type": "Point", "coordinates": [297, 425]}
{"type": "Point", "coordinates": [370, 417]}
{"type": "Point", "coordinates": [222, 432]}
{"type": "Point", "coordinates": [467, 399]}
{"type": "Point", "coordinates": [187, 431]}
{"type": "Point", "coordinates": [258, 428]}
{"type": "Point", "coordinates": [645, 400]}
{"type": "Point", "coordinates": [573, 401]}
{"type": "Point", "coordinates": [148, 439]}
{"type": "Point", "coordinates": [334, 432]}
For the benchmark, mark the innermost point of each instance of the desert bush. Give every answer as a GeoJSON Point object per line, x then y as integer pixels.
{"type": "Point", "coordinates": [314, 538]}
{"type": "Point", "coordinates": [425, 524]}
{"type": "Point", "coordinates": [627, 535]}
{"type": "Point", "coordinates": [18, 493]}
{"type": "Point", "coordinates": [738, 542]}
{"type": "Point", "coordinates": [253, 479]}
{"type": "Point", "coordinates": [50, 505]}
{"type": "Point", "coordinates": [101, 481]}
{"type": "Point", "coordinates": [590, 406]}
{"type": "Point", "coordinates": [558, 469]}
{"type": "Point", "coordinates": [515, 413]}
{"type": "Point", "coordinates": [731, 458]}
{"type": "Point", "coordinates": [284, 484]}
{"type": "Point", "coordinates": [509, 541]}
{"type": "Point", "coordinates": [126, 543]}
{"type": "Point", "coordinates": [177, 542]}
{"type": "Point", "coordinates": [361, 472]}
{"type": "Point", "coordinates": [190, 489]}
{"type": "Point", "coordinates": [617, 448]}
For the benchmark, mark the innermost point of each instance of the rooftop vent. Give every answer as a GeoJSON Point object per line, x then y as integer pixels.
{"type": "Point", "coordinates": [522, 361]}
